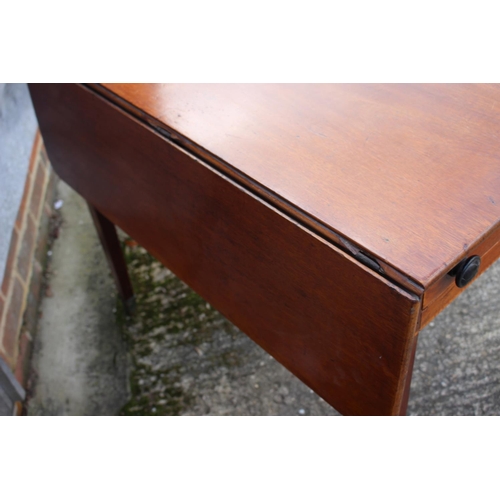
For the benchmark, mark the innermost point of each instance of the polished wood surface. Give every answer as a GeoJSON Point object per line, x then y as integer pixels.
{"type": "Point", "coordinates": [344, 329]}
{"type": "Point", "coordinates": [407, 173]}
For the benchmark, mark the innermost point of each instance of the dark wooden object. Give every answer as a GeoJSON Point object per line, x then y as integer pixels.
{"type": "Point", "coordinates": [114, 255]}
{"type": "Point", "coordinates": [321, 220]}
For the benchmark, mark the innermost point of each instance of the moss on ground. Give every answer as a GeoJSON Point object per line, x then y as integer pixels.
{"type": "Point", "coordinates": [170, 334]}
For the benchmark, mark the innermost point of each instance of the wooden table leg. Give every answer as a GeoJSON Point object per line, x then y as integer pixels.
{"type": "Point", "coordinates": [406, 393]}
{"type": "Point", "coordinates": [109, 240]}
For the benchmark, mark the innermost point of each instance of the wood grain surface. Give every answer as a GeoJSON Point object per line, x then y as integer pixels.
{"type": "Point", "coordinates": [410, 174]}
{"type": "Point", "coordinates": [342, 328]}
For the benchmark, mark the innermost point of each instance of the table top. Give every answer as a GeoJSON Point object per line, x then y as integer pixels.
{"type": "Point", "coordinates": [410, 174]}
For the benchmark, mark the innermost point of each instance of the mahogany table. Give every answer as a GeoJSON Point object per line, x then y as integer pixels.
{"type": "Point", "coordinates": [330, 223]}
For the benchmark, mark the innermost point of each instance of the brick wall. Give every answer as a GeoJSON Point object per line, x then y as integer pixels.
{"type": "Point", "coordinates": [22, 281]}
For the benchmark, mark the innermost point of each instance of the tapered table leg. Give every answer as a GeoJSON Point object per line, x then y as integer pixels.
{"type": "Point", "coordinates": [109, 240]}
{"type": "Point", "coordinates": [406, 393]}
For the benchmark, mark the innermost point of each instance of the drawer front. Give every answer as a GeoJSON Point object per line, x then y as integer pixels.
{"type": "Point", "coordinates": [342, 329]}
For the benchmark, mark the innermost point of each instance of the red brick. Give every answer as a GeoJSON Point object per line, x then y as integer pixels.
{"type": "Point", "coordinates": [24, 260]}
{"type": "Point", "coordinates": [21, 371]}
{"type": "Point", "coordinates": [9, 266]}
{"type": "Point", "coordinates": [34, 159]}
{"type": "Point", "coordinates": [42, 235]}
{"type": "Point", "coordinates": [43, 155]}
{"type": "Point", "coordinates": [35, 153]}
{"type": "Point", "coordinates": [13, 318]}
{"type": "Point", "coordinates": [37, 193]}
{"type": "Point", "coordinates": [36, 280]}
{"type": "Point", "coordinates": [24, 202]}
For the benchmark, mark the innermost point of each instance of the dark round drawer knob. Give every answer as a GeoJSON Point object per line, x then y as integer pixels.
{"type": "Point", "coordinates": [466, 271]}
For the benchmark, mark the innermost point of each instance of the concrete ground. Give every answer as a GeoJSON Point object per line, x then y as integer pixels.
{"type": "Point", "coordinates": [79, 364]}
{"type": "Point", "coordinates": [177, 356]}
